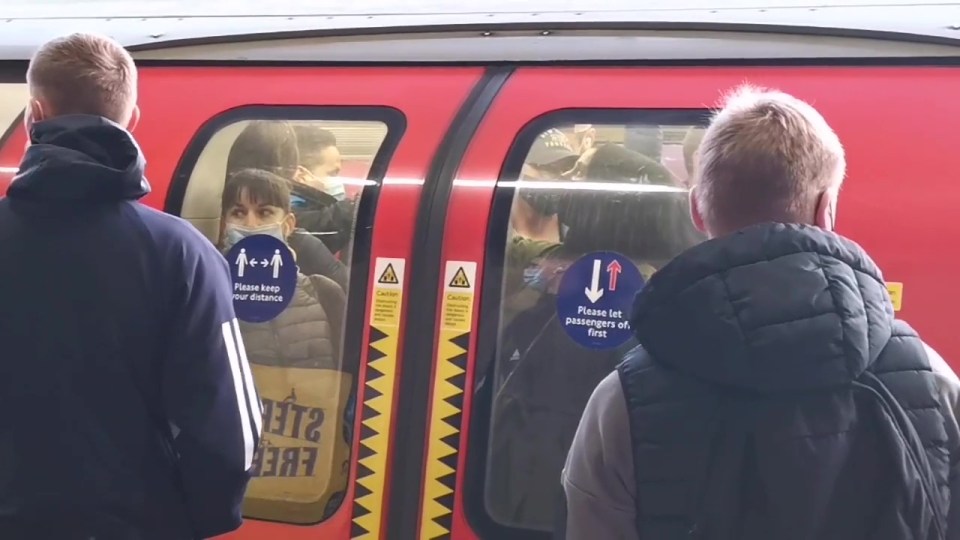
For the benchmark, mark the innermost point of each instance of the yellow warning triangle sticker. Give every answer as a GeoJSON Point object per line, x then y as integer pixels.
{"type": "Point", "coordinates": [460, 280]}
{"type": "Point", "coordinates": [389, 276]}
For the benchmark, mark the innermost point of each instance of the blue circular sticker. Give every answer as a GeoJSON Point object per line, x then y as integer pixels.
{"type": "Point", "coordinates": [264, 277]}
{"type": "Point", "coordinates": [595, 298]}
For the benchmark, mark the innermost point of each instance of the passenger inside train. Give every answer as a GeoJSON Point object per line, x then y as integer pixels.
{"type": "Point", "coordinates": [320, 159]}
{"type": "Point", "coordinates": [637, 206]}
{"type": "Point", "coordinates": [319, 169]}
{"type": "Point", "coordinates": [295, 359]}
{"type": "Point", "coordinates": [534, 214]}
{"type": "Point", "coordinates": [308, 333]}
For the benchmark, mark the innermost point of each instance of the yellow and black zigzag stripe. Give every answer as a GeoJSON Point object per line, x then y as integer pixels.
{"type": "Point", "coordinates": [374, 434]}
{"type": "Point", "coordinates": [444, 443]}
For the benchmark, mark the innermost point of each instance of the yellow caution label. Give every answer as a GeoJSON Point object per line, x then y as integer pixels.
{"type": "Point", "coordinates": [378, 391]}
{"type": "Point", "coordinates": [387, 293]}
{"type": "Point", "coordinates": [446, 412]}
{"type": "Point", "coordinates": [458, 296]}
{"type": "Point", "coordinates": [895, 289]}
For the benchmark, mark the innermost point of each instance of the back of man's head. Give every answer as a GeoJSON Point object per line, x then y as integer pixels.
{"type": "Point", "coordinates": [83, 74]}
{"type": "Point", "coordinates": [767, 157]}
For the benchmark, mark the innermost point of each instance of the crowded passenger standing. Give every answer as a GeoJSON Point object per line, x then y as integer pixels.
{"type": "Point", "coordinates": [320, 159]}
{"type": "Point", "coordinates": [136, 414]}
{"type": "Point", "coordinates": [773, 394]}
{"type": "Point", "coordinates": [307, 334]}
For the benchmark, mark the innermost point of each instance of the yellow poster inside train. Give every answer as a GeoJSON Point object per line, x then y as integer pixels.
{"type": "Point", "coordinates": [304, 457]}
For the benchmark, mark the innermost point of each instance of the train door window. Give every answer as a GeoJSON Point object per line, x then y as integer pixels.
{"type": "Point", "coordinates": [309, 178]}
{"type": "Point", "coordinates": [575, 183]}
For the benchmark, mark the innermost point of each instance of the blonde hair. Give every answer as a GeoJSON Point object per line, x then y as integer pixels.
{"type": "Point", "coordinates": [84, 74]}
{"type": "Point", "coordinates": [766, 156]}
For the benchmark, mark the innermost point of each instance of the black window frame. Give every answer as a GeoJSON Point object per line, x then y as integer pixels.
{"type": "Point", "coordinates": [361, 244]}
{"type": "Point", "coordinates": [477, 447]}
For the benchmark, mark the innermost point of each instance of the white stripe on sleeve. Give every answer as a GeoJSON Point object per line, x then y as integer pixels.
{"type": "Point", "coordinates": [238, 386]}
{"type": "Point", "coordinates": [256, 406]}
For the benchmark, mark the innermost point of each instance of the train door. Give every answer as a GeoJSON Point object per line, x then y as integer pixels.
{"type": "Point", "coordinates": [546, 242]}
{"type": "Point", "coordinates": [360, 141]}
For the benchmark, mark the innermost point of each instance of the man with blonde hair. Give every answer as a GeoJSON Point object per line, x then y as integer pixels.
{"type": "Point", "coordinates": [772, 395]}
{"type": "Point", "coordinates": [131, 411]}
{"type": "Point", "coordinates": [83, 74]}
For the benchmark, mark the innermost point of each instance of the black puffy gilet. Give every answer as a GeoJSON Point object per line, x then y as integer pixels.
{"type": "Point", "coordinates": [765, 396]}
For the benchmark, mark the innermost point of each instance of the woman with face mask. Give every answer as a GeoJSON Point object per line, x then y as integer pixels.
{"type": "Point", "coordinates": [305, 334]}
{"type": "Point", "coordinates": [295, 359]}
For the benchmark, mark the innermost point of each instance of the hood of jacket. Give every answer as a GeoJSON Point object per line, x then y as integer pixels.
{"type": "Point", "coordinates": [80, 158]}
{"type": "Point", "coordinates": [770, 308]}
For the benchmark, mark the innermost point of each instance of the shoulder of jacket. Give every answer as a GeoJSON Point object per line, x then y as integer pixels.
{"type": "Point", "coordinates": [941, 369]}
{"type": "Point", "coordinates": [177, 240]}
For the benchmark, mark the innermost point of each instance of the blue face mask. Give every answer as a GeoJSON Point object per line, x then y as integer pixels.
{"type": "Point", "coordinates": [234, 233]}
{"type": "Point", "coordinates": [533, 278]}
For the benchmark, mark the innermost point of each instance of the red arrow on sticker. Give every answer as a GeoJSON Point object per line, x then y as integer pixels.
{"type": "Point", "coordinates": [614, 269]}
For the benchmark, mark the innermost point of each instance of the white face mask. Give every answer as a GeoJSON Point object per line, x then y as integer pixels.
{"type": "Point", "coordinates": [334, 187]}
{"type": "Point", "coordinates": [234, 233]}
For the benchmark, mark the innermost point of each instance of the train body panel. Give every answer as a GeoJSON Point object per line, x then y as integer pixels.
{"type": "Point", "coordinates": [436, 424]}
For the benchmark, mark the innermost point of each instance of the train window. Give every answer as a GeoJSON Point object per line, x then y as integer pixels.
{"type": "Point", "coordinates": [576, 183]}
{"type": "Point", "coordinates": [309, 179]}
{"type": "Point", "coordinates": [13, 96]}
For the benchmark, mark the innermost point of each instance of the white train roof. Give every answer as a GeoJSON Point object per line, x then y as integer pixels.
{"type": "Point", "coordinates": [166, 25]}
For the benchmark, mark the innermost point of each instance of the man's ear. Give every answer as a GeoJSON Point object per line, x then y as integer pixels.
{"type": "Point", "coordinates": [826, 212]}
{"type": "Point", "coordinates": [35, 112]}
{"type": "Point", "coordinates": [134, 119]}
{"type": "Point", "coordinates": [695, 214]}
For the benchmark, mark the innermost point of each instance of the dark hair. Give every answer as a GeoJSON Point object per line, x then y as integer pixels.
{"type": "Point", "coordinates": [651, 226]}
{"type": "Point", "coordinates": [268, 145]}
{"type": "Point", "coordinates": [644, 139]}
{"type": "Point", "coordinates": [262, 187]}
{"type": "Point", "coordinates": [614, 163]}
{"type": "Point", "coordinates": [311, 141]}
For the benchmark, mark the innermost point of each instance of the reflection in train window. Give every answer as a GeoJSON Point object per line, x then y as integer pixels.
{"type": "Point", "coordinates": [304, 182]}
{"type": "Point", "coordinates": [583, 188]}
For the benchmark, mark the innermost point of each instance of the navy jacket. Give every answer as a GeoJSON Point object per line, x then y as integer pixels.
{"type": "Point", "coordinates": [130, 411]}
